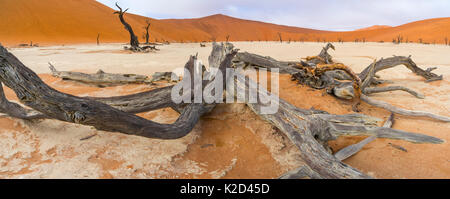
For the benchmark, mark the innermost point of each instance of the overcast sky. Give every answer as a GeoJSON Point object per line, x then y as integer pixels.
{"type": "Point", "coordinates": [338, 15]}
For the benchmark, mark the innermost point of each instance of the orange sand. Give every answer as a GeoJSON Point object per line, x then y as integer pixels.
{"type": "Point", "coordinates": [374, 27]}
{"type": "Point", "coordinates": [233, 143]}
{"type": "Point", "coordinates": [79, 21]}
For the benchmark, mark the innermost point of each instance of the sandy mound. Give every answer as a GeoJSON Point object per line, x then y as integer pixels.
{"type": "Point", "coordinates": [374, 27]}
{"type": "Point", "coordinates": [230, 142]}
{"type": "Point", "coordinates": [79, 21]}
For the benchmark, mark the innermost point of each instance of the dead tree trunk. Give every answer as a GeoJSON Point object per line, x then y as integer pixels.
{"type": "Point", "coordinates": [98, 39]}
{"type": "Point", "coordinates": [309, 130]}
{"type": "Point", "coordinates": [33, 92]}
{"type": "Point", "coordinates": [147, 35]}
{"type": "Point", "coordinates": [279, 37]}
{"type": "Point", "coordinates": [134, 42]}
{"type": "Point", "coordinates": [312, 73]}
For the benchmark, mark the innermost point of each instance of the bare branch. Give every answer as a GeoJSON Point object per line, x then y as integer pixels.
{"type": "Point", "coordinates": [401, 111]}
{"type": "Point", "coordinates": [392, 88]}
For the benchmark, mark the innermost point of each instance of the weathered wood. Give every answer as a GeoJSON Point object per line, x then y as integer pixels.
{"type": "Point", "coordinates": [301, 71]}
{"type": "Point", "coordinates": [15, 110]}
{"type": "Point", "coordinates": [372, 90]}
{"type": "Point", "coordinates": [401, 111]}
{"type": "Point", "coordinates": [266, 62]}
{"type": "Point", "coordinates": [165, 76]}
{"type": "Point", "coordinates": [33, 92]}
{"type": "Point", "coordinates": [309, 130]}
{"type": "Point", "coordinates": [389, 122]}
{"type": "Point", "coordinates": [134, 42]}
{"type": "Point", "coordinates": [401, 60]}
{"type": "Point", "coordinates": [99, 78]}
{"type": "Point", "coordinates": [305, 132]}
{"type": "Point", "coordinates": [382, 132]}
{"type": "Point", "coordinates": [371, 74]}
{"type": "Point", "coordinates": [147, 34]}
{"type": "Point", "coordinates": [301, 173]}
{"type": "Point", "coordinates": [353, 149]}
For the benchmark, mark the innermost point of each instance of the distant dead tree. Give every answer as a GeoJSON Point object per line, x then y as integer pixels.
{"type": "Point", "coordinates": [364, 40]}
{"type": "Point", "coordinates": [420, 40]}
{"type": "Point", "coordinates": [98, 39]}
{"type": "Point", "coordinates": [340, 40]}
{"type": "Point", "coordinates": [446, 40]}
{"type": "Point", "coordinates": [134, 42]}
{"type": "Point", "coordinates": [399, 39]}
{"type": "Point", "coordinates": [227, 38]}
{"type": "Point", "coordinates": [279, 36]}
{"type": "Point", "coordinates": [302, 39]}
{"type": "Point", "coordinates": [147, 35]}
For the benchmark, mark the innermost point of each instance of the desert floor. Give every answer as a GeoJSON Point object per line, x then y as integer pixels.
{"type": "Point", "coordinates": [230, 142]}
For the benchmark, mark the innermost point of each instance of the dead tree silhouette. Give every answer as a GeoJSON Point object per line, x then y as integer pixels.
{"type": "Point", "coordinates": [134, 42]}
{"type": "Point", "coordinates": [147, 35]}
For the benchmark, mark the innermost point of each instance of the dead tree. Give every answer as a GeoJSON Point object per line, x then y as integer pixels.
{"type": "Point", "coordinates": [309, 130]}
{"type": "Point", "coordinates": [98, 39]}
{"type": "Point", "coordinates": [446, 41]}
{"type": "Point", "coordinates": [321, 72]}
{"type": "Point", "coordinates": [147, 35]}
{"type": "Point", "coordinates": [134, 42]}
{"type": "Point", "coordinates": [280, 38]}
{"type": "Point", "coordinates": [399, 39]}
{"type": "Point", "coordinates": [227, 38]}
{"type": "Point", "coordinates": [102, 79]}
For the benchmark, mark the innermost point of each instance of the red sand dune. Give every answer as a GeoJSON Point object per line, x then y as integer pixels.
{"type": "Point", "coordinates": [374, 27]}
{"type": "Point", "coordinates": [79, 21]}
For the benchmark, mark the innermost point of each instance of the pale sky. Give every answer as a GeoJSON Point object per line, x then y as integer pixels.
{"type": "Point", "coordinates": [337, 15]}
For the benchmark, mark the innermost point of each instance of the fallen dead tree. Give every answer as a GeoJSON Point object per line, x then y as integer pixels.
{"type": "Point", "coordinates": [103, 79]}
{"type": "Point", "coordinates": [309, 130]}
{"type": "Point", "coordinates": [321, 72]}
